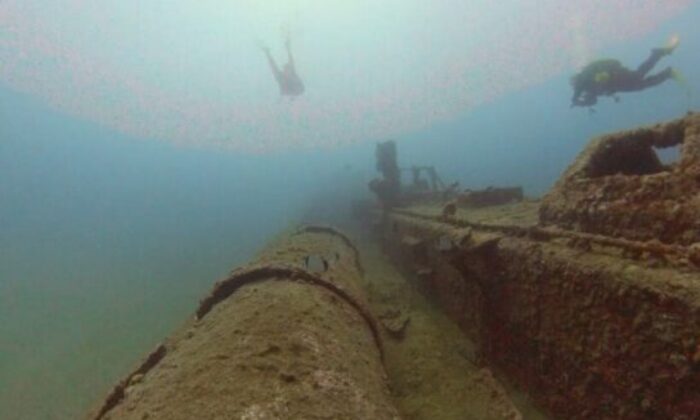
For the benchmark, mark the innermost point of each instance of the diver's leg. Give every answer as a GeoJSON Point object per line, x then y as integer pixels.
{"type": "Point", "coordinates": [655, 79]}
{"type": "Point", "coordinates": [648, 64]}
{"type": "Point", "coordinates": [273, 66]}
{"type": "Point", "coordinates": [656, 55]}
{"type": "Point", "coordinates": [288, 45]}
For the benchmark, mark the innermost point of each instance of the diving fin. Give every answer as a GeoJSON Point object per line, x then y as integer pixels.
{"type": "Point", "coordinates": [671, 45]}
{"type": "Point", "coordinates": [673, 42]}
{"type": "Point", "coordinates": [678, 77]}
{"type": "Point", "coordinates": [683, 83]}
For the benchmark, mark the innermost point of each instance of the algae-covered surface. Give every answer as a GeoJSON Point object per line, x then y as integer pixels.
{"type": "Point", "coordinates": [274, 350]}
{"type": "Point", "coordinates": [521, 214]}
{"type": "Point", "coordinates": [432, 368]}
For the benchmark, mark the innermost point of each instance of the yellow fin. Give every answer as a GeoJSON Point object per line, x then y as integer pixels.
{"type": "Point", "coordinates": [673, 42]}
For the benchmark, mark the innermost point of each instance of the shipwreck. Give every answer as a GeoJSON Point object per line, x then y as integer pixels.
{"type": "Point", "coordinates": [587, 301]}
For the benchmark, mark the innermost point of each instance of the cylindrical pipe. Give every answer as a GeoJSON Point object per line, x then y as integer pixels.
{"type": "Point", "coordinates": [287, 336]}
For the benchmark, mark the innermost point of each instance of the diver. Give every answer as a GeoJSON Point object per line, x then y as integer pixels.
{"type": "Point", "coordinates": [608, 77]}
{"type": "Point", "coordinates": [288, 80]}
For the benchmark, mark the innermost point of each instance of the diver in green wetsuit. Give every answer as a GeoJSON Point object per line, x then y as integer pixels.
{"type": "Point", "coordinates": [608, 77]}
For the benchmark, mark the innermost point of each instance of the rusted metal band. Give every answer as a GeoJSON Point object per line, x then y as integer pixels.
{"type": "Point", "coordinates": [279, 272]}
{"type": "Point", "coordinates": [333, 231]}
{"type": "Point", "coordinates": [117, 394]}
{"type": "Point", "coordinates": [339, 286]}
{"type": "Point", "coordinates": [223, 290]}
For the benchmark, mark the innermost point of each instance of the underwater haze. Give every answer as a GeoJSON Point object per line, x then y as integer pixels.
{"type": "Point", "coordinates": [145, 149]}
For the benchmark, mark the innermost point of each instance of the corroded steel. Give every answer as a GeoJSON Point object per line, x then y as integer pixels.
{"type": "Point", "coordinates": [672, 255]}
{"type": "Point", "coordinates": [589, 329]}
{"type": "Point", "coordinates": [288, 336]}
{"type": "Point", "coordinates": [589, 299]}
{"type": "Point", "coordinates": [225, 288]}
{"type": "Point", "coordinates": [619, 187]}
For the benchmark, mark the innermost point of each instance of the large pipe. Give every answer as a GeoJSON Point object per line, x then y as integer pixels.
{"type": "Point", "coordinates": [286, 337]}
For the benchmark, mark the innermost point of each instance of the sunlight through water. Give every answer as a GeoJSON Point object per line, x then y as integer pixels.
{"type": "Point", "coordinates": [192, 72]}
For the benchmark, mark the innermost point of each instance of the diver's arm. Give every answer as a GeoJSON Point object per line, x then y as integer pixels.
{"type": "Point", "coordinates": [576, 99]}
{"type": "Point", "coordinates": [588, 99]}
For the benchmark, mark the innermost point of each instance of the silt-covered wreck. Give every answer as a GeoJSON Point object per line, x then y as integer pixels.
{"type": "Point", "coordinates": [588, 300]}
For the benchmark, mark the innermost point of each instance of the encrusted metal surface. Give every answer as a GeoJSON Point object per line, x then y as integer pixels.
{"type": "Point", "coordinates": [589, 299]}
{"type": "Point", "coordinates": [618, 187]}
{"type": "Point", "coordinates": [288, 336]}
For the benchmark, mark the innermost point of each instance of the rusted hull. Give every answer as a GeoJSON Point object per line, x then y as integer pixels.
{"type": "Point", "coordinates": [589, 328]}
{"type": "Point", "coordinates": [618, 187]}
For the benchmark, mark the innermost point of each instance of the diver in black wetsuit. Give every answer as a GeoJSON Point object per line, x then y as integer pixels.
{"type": "Point", "coordinates": [288, 80]}
{"type": "Point", "coordinates": [608, 77]}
